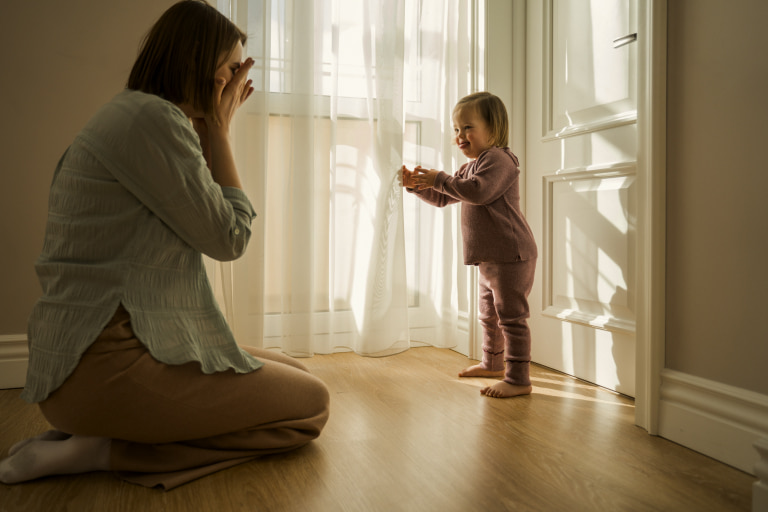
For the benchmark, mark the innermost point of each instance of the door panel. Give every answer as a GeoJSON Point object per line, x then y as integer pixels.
{"type": "Point", "coordinates": [581, 187]}
{"type": "Point", "coordinates": [591, 83]}
{"type": "Point", "coordinates": [588, 244]}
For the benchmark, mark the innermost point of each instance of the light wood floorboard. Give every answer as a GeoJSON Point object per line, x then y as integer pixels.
{"type": "Point", "coordinates": [406, 434]}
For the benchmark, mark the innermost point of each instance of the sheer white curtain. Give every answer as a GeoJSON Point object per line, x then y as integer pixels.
{"type": "Point", "coordinates": [346, 92]}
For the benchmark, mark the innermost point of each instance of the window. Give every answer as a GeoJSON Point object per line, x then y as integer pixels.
{"type": "Point", "coordinates": [346, 92]}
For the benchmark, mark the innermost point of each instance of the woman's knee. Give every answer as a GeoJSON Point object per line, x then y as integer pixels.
{"type": "Point", "coordinates": [318, 395]}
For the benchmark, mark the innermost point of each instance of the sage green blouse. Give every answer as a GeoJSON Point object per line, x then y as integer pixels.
{"type": "Point", "coordinates": [132, 208]}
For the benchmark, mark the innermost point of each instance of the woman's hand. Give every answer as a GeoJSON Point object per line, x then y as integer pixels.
{"type": "Point", "coordinates": [229, 95]}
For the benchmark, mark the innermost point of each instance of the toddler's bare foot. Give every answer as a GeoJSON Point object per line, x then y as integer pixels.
{"type": "Point", "coordinates": [43, 457]}
{"type": "Point", "coordinates": [478, 371]}
{"type": "Point", "coordinates": [505, 390]}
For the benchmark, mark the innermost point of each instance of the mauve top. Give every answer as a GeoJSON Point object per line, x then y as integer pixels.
{"type": "Point", "coordinates": [132, 208]}
{"type": "Point", "coordinates": [492, 226]}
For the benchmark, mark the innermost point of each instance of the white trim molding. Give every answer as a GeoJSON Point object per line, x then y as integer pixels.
{"type": "Point", "coordinates": [602, 317]}
{"type": "Point", "coordinates": [14, 355]}
{"type": "Point", "coordinates": [760, 488]}
{"type": "Point", "coordinates": [651, 205]}
{"type": "Point", "coordinates": [721, 421]}
{"type": "Point", "coordinates": [613, 121]}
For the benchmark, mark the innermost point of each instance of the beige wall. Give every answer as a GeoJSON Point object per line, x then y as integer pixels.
{"type": "Point", "coordinates": [717, 188]}
{"type": "Point", "coordinates": [60, 61]}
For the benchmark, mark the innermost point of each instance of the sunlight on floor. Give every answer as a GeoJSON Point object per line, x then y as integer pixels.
{"type": "Point", "coordinates": [565, 394]}
{"type": "Point", "coordinates": [538, 390]}
{"type": "Point", "coordinates": [569, 383]}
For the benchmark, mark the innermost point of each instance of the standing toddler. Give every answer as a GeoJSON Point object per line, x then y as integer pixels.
{"type": "Point", "coordinates": [497, 238]}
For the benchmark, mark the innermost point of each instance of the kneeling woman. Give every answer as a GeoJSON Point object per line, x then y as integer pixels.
{"type": "Point", "coordinates": [131, 360]}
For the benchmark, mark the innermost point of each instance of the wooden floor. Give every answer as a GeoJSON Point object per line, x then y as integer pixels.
{"type": "Point", "coordinates": [406, 434]}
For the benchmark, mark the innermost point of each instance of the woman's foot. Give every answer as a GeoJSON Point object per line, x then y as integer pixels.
{"type": "Point", "coordinates": [39, 457]}
{"type": "Point", "coordinates": [505, 390]}
{"type": "Point", "coordinates": [51, 435]}
{"type": "Point", "coordinates": [478, 371]}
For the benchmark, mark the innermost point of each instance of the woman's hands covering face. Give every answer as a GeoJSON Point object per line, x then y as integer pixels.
{"type": "Point", "coordinates": [229, 95]}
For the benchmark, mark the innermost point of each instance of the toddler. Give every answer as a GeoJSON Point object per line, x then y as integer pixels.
{"type": "Point", "coordinates": [497, 238]}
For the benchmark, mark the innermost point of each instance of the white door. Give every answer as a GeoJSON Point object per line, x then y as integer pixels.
{"type": "Point", "coordinates": [581, 186]}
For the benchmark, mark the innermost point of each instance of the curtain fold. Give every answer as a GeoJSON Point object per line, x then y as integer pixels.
{"type": "Point", "coordinates": [346, 92]}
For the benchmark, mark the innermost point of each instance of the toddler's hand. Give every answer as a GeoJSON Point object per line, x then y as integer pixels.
{"type": "Point", "coordinates": [423, 178]}
{"type": "Point", "coordinates": [406, 178]}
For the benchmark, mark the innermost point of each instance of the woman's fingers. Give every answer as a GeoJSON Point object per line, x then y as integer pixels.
{"type": "Point", "coordinates": [220, 85]}
{"type": "Point", "coordinates": [240, 81]}
{"type": "Point", "coordinates": [247, 90]}
{"type": "Point", "coordinates": [232, 94]}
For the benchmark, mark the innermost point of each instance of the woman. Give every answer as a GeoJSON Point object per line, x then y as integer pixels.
{"type": "Point", "coordinates": [131, 360]}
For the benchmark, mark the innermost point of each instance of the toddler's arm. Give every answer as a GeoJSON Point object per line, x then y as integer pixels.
{"type": "Point", "coordinates": [420, 181]}
{"type": "Point", "coordinates": [483, 182]}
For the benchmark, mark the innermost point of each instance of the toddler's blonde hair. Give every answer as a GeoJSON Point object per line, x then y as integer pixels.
{"type": "Point", "coordinates": [493, 112]}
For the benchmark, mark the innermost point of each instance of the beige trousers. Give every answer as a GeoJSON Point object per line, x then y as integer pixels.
{"type": "Point", "coordinates": [172, 424]}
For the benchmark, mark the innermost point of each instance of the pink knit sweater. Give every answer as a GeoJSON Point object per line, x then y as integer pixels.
{"type": "Point", "coordinates": [492, 226]}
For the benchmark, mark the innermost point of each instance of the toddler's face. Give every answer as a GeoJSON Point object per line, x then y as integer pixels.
{"type": "Point", "coordinates": [471, 132]}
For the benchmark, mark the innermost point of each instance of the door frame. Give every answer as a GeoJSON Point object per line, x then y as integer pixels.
{"type": "Point", "coordinates": [652, 172]}
{"type": "Point", "coordinates": [505, 76]}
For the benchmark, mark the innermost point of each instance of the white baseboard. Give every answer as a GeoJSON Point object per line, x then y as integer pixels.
{"type": "Point", "coordinates": [760, 488]}
{"type": "Point", "coordinates": [721, 421]}
{"type": "Point", "coordinates": [14, 355]}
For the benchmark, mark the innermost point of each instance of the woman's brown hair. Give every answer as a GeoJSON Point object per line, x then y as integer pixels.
{"type": "Point", "coordinates": [180, 54]}
{"type": "Point", "coordinates": [493, 112]}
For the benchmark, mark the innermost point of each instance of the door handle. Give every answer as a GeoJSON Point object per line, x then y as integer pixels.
{"type": "Point", "coordinates": [621, 41]}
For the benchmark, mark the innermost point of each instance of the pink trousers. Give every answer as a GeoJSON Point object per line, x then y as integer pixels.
{"type": "Point", "coordinates": [503, 313]}
{"type": "Point", "coordinates": [172, 424]}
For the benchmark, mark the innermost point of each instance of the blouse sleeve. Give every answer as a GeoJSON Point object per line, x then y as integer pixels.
{"type": "Point", "coordinates": [153, 151]}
